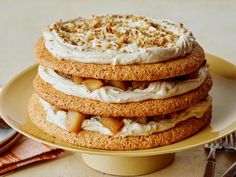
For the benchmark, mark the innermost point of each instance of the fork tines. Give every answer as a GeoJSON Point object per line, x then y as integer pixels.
{"type": "Point", "coordinates": [229, 141]}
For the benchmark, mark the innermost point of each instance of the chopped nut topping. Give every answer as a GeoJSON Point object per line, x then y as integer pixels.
{"type": "Point", "coordinates": [120, 41]}
{"type": "Point", "coordinates": [114, 32]}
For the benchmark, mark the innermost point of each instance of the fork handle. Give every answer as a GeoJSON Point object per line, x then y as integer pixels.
{"type": "Point", "coordinates": [210, 168]}
{"type": "Point", "coordinates": [231, 171]}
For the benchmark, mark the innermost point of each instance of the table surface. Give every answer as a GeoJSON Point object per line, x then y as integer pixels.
{"type": "Point", "coordinates": [21, 22]}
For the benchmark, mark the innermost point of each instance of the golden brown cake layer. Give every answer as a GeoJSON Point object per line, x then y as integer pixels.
{"type": "Point", "coordinates": [135, 109]}
{"type": "Point", "coordinates": [96, 140]}
{"type": "Point", "coordinates": [139, 72]}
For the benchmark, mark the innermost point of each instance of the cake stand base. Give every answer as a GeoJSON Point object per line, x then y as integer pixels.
{"type": "Point", "coordinates": [128, 166]}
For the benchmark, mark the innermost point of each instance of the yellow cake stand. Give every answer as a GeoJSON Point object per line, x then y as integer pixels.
{"type": "Point", "coordinates": [16, 94]}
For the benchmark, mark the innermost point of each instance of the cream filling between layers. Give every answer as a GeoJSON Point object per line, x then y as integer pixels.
{"type": "Point", "coordinates": [130, 127]}
{"type": "Point", "coordinates": [60, 49]}
{"type": "Point", "coordinates": [109, 94]}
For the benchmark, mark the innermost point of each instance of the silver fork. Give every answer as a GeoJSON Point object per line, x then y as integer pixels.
{"type": "Point", "coordinates": [211, 159]}
{"type": "Point", "coordinates": [227, 143]}
{"type": "Point", "coordinates": [230, 145]}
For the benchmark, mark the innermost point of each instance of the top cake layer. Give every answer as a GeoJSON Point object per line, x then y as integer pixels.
{"type": "Point", "coordinates": [118, 40]}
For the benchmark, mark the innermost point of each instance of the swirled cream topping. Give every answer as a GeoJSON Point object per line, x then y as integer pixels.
{"type": "Point", "coordinates": [118, 40]}
{"type": "Point", "coordinates": [109, 94]}
{"type": "Point", "coordinates": [130, 128]}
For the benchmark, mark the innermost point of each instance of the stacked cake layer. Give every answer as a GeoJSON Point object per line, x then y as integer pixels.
{"type": "Point", "coordinates": [120, 82]}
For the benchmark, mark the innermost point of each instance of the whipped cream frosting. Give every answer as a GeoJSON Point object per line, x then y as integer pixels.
{"type": "Point", "coordinates": [131, 53]}
{"type": "Point", "coordinates": [130, 128]}
{"type": "Point", "coordinates": [109, 94]}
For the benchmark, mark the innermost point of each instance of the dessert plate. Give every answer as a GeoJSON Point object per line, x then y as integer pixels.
{"type": "Point", "coordinates": [7, 145]}
{"type": "Point", "coordinates": [6, 135]}
{"type": "Point", "coordinates": [13, 108]}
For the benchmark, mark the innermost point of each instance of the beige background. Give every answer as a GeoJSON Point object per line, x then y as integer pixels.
{"type": "Point", "coordinates": [213, 23]}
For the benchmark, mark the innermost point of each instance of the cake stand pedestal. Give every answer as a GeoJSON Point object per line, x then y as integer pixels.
{"type": "Point", "coordinates": [128, 166]}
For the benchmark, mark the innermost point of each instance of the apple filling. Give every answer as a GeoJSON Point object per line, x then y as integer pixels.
{"type": "Point", "coordinates": [113, 91]}
{"type": "Point", "coordinates": [74, 120]}
{"type": "Point", "coordinates": [93, 84]}
{"type": "Point", "coordinates": [121, 126]}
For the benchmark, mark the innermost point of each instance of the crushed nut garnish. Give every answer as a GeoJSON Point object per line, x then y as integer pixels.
{"type": "Point", "coordinates": [114, 32]}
